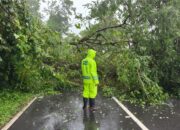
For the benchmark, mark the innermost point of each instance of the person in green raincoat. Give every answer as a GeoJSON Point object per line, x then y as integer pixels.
{"type": "Point", "coordinates": [90, 79]}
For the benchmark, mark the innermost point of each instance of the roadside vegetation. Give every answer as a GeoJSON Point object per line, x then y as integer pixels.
{"type": "Point", "coordinates": [137, 44]}
{"type": "Point", "coordinates": [10, 103]}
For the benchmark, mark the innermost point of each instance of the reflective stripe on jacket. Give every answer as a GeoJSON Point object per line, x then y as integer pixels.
{"type": "Point", "coordinates": [89, 68]}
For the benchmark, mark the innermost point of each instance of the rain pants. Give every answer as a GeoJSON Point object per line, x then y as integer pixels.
{"type": "Point", "coordinates": [89, 75]}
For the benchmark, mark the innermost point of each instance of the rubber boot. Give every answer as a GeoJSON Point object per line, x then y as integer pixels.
{"type": "Point", "coordinates": [92, 104]}
{"type": "Point", "coordinates": [85, 101]}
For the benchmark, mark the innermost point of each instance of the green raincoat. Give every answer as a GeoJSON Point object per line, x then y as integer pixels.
{"type": "Point", "coordinates": [89, 74]}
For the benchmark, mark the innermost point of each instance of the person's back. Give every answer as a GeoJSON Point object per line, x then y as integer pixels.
{"type": "Point", "coordinates": [90, 78]}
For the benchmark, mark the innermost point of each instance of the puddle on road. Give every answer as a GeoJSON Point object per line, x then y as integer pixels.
{"type": "Point", "coordinates": [64, 112]}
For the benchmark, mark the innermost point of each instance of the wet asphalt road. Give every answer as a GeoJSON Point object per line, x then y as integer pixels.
{"type": "Point", "coordinates": [164, 117]}
{"type": "Point", "coordinates": [64, 112]}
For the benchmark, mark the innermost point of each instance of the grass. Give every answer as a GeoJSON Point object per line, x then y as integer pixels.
{"type": "Point", "coordinates": [10, 103]}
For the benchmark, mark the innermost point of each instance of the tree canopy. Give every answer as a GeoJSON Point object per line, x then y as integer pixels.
{"type": "Point", "coordinates": [137, 43]}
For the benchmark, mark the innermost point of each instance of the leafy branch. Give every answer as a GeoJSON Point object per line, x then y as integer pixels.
{"type": "Point", "coordinates": [104, 29]}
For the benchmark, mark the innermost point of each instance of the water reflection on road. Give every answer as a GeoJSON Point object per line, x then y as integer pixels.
{"type": "Point", "coordinates": [89, 121]}
{"type": "Point", "coordinates": [64, 112]}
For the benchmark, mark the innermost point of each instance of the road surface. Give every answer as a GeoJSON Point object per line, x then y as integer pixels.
{"type": "Point", "coordinates": [64, 112]}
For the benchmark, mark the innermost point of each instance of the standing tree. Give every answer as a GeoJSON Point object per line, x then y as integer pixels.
{"type": "Point", "coordinates": [59, 12]}
{"type": "Point", "coordinates": [33, 7]}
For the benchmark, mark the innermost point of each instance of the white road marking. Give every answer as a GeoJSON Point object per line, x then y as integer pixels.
{"type": "Point", "coordinates": [136, 120]}
{"type": "Point", "coordinates": [8, 125]}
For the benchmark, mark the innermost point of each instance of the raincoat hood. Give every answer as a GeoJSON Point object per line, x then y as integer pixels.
{"type": "Point", "coordinates": [91, 53]}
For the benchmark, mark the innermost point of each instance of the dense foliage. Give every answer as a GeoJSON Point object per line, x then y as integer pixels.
{"type": "Point", "coordinates": [27, 47]}
{"type": "Point", "coordinates": [137, 43]}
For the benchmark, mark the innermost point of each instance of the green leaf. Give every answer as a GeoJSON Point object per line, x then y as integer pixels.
{"type": "Point", "coordinates": [78, 26]}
